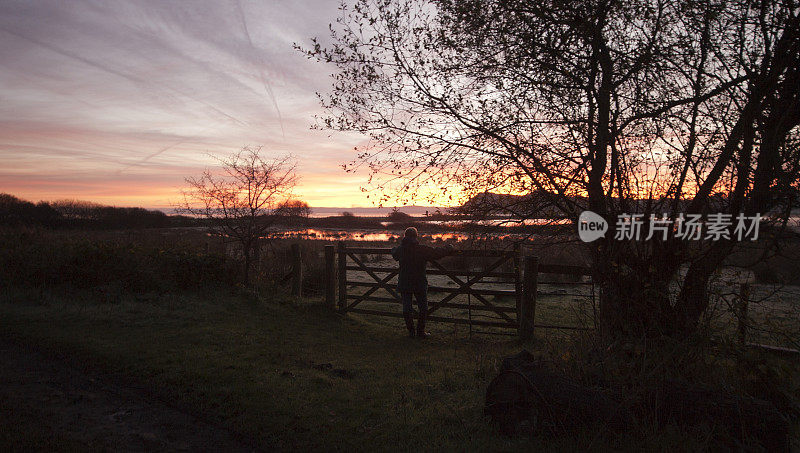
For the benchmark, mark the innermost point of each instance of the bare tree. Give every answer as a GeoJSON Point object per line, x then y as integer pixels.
{"type": "Point", "coordinates": [77, 209]}
{"type": "Point", "coordinates": [249, 196]}
{"type": "Point", "coordinates": [620, 107]}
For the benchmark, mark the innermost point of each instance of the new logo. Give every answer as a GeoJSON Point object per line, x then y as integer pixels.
{"type": "Point", "coordinates": [591, 226]}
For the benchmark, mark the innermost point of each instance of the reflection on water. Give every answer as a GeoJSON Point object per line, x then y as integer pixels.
{"type": "Point", "coordinates": [359, 235]}
{"type": "Point", "coordinates": [332, 234]}
{"type": "Point", "coordinates": [335, 234]}
{"type": "Point", "coordinates": [386, 235]}
{"type": "Point", "coordinates": [500, 222]}
{"type": "Point", "coordinates": [492, 222]}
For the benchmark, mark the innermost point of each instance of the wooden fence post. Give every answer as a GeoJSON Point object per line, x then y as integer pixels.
{"type": "Point", "coordinates": [297, 271]}
{"type": "Point", "coordinates": [330, 276]}
{"type": "Point", "coordinates": [528, 308]}
{"type": "Point", "coordinates": [342, 276]}
{"type": "Point", "coordinates": [744, 296]}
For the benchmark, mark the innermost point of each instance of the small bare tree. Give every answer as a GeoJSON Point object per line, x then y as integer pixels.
{"type": "Point", "coordinates": [241, 203]}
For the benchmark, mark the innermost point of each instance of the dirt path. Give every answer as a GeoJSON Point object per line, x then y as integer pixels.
{"type": "Point", "coordinates": [47, 404]}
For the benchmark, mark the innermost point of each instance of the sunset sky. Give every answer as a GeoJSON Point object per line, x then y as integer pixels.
{"type": "Point", "coordinates": [117, 102]}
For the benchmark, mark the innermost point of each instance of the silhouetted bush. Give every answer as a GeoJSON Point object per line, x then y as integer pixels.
{"type": "Point", "coordinates": [14, 211]}
{"type": "Point", "coordinates": [83, 215]}
{"type": "Point", "coordinates": [399, 217]}
{"type": "Point", "coordinates": [41, 258]}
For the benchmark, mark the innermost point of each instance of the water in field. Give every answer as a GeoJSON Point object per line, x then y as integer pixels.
{"type": "Point", "coordinates": [333, 234]}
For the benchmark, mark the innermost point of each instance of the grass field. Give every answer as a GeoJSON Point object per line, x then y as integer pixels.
{"type": "Point", "coordinates": [292, 374]}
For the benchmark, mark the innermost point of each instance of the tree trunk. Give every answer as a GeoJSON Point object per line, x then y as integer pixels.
{"type": "Point", "coordinates": [635, 306]}
{"type": "Point", "coordinates": [634, 298]}
{"type": "Point", "coordinates": [693, 298]}
{"type": "Point", "coordinates": [247, 252]}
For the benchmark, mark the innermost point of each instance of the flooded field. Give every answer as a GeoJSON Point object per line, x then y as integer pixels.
{"type": "Point", "coordinates": [336, 234]}
{"type": "Point", "coordinates": [375, 235]}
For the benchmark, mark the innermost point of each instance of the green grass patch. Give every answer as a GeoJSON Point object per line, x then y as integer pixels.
{"type": "Point", "coordinates": [294, 374]}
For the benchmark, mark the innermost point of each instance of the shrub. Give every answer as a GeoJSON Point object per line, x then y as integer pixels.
{"type": "Point", "coordinates": [41, 258]}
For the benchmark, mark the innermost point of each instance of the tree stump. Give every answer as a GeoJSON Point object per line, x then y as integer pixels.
{"type": "Point", "coordinates": [526, 395]}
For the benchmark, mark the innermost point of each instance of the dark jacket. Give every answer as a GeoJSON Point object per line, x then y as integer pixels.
{"type": "Point", "coordinates": [413, 259]}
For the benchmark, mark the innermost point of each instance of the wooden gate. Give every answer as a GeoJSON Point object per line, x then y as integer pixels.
{"type": "Point", "coordinates": [502, 294]}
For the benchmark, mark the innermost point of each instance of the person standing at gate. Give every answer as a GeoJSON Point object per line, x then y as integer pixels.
{"type": "Point", "coordinates": [412, 281]}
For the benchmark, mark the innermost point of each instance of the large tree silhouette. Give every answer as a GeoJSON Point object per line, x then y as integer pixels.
{"type": "Point", "coordinates": [648, 106]}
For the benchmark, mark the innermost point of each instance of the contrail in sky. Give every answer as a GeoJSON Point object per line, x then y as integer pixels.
{"type": "Point", "coordinates": [110, 70]}
{"type": "Point", "coordinates": [264, 82]}
{"type": "Point", "coordinates": [150, 156]}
